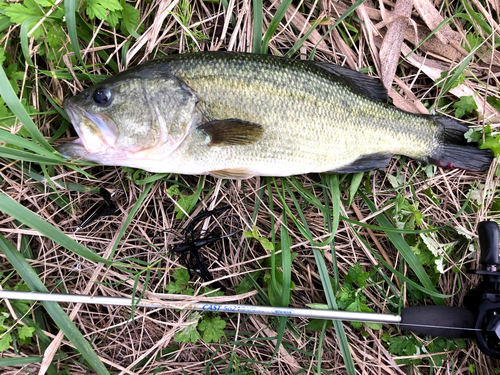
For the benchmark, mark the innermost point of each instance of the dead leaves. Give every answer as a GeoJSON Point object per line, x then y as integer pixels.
{"type": "Point", "coordinates": [440, 49]}
{"type": "Point", "coordinates": [391, 46]}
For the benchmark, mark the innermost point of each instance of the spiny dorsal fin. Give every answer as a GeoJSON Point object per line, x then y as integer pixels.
{"type": "Point", "coordinates": [231, 132]}
{"type": "Point", "coordinates": [358, 82]}
{"type": "Point", "coordinates": [233, 173]}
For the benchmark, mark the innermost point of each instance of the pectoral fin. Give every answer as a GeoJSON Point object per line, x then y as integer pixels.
{"type": "Point", "coordinates": [365, 163]}
{"type": "Point", "coordinates": [234, 173]}
{"type": "Point", "coordinates": [231, 132]}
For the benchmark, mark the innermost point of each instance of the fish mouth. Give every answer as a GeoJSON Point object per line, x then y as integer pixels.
{"type": "Point", "coordinates": [94, 135]}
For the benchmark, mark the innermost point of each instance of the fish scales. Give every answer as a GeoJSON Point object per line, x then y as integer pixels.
{"type": "Point", "coordinates": [308, 118]}
{"type": "Point", "coordinates": [293, 102]}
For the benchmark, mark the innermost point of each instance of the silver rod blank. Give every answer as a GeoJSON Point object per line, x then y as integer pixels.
{"type": "Point", "coordinates": [206, 306]}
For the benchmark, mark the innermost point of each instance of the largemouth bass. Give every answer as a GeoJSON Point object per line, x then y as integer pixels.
{"type": "Point", "coordinates": [236, 115]}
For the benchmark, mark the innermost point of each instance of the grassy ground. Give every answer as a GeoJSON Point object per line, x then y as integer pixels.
{"type": "Point", "coordinates": [403, 236]}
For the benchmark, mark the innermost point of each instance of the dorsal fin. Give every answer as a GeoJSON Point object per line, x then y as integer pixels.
{"type": "Point", "coordinates": [358, 82]}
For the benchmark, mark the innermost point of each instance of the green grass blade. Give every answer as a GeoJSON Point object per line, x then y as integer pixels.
{"type": "Point", "coordinates": [286, 260]}
{"type": "Point", "coordinates": [397, 273]}
{"type": "Point", "coordinates": [19, 141]}
{"type": "Point", "coordinates": [478, 18]}
{"type": "Point", "coordinates": [273, 25]}
{"type": "Point", "coordinates": [24, 39]}
{"type": "Point", "coordinates": [324, 275]}
{"type": "Point", "coordinates": [25, 216]}
{"type": "Point", "coordinates": [333, 182]}
{"type": "Point", "coordinates": [38, 315]}
{"type": "Point", "coordinates": [458, 71]}
{"type": "Point", "coordinates": [315, 202]}
{"type": "Point", "coordinates": [257, 26]}
{"type": "Point", "coordinates": [21, 361]}
{"type": "Point", "coordinates": [332, 304]}
{"type": "Point", "coordinates": [53, 309]}
{"type": "Point", "coordinates": [56, 107]}
{"type": "Point", "coordinates": [87, 34]}
{"type": "Point", "coordinates": [197, 195]}
{"type": "Point", "coordinates": [405, 251]}
{"type": "Point", "coordinates": [354, 186]}
{"type": "Point", "coordinates": [70, 14]}
{"type": "Point", "coordinates": [10, 98]}
{"type": "Point", "coordinates": [10, 153]}
{"type": "Point", "coordinates": [225, 4]}
{"type": "Point", "coordinates": [344, 15]}
{"type": "Point", "coordinates": [130, 216]}
{"type": "Point", "coordinates": [301, 41]}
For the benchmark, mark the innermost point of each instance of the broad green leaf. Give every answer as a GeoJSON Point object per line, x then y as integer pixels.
{"type": "Point", "coordinates": [46, 3]}
{"type": "Point", "coordinates": [100, 8]}
{"type": "Point", "coordinates": [181, 275]}
{"type": "Point", "coordinates": [374, 326]}
{"type": "Point", "coordinates": [493, 143]}
{"type": "Point", "coordinates": [493, 101]}
{"type": "Point", "coordinates": [213, 329]}
{"type": "Point", "coordinates": [130, 20]}
{"type": "Point", "coordinates": [357, 275]}
{"type": "Point", "coordinates": [5, 340]}
{"type": "Point", "coordinates": [465, 106]}
{"type": "Point", "coordinates": [175, 288]}
{"type": "Point", "coordinates": [266, 244]}
{"type": "Point", "coordinates": [185, 202]}
{"type": "Point", "coordinates": [3, 315]}
{"type": "Point", "coordinates": [18, 13]}
{"type": "Point", "coordinates": [113, 18]}
{"type": "Point", "coordinates": [318, 324]}
{"type": "Point", "coordinates": [187, 334]}
{"type": "Point", "coordinates": [25, 332]}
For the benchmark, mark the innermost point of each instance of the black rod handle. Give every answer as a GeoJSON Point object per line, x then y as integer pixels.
{"type": "Point", "coordinates": [442, 321]}
{"type": "Point", "coordinates": [488, 240]}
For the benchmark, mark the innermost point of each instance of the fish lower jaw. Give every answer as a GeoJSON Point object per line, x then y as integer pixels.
{"type": "Point", "coordinates": [93, 141]}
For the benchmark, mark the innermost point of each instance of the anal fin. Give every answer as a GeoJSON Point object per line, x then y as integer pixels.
{"type": "Point", "coordinates": [365, 163]}
{"type": "Point", "coordinates": [233, 173]}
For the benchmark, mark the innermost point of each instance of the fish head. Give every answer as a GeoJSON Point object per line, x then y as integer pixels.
{"type": "Point", "coordinates": [130, 119]}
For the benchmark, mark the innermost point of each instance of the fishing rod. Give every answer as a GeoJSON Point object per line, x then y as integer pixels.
{"type": "Point", "coordinates": [479, 319]}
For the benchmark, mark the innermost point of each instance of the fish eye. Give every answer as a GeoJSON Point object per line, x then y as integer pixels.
{"type": "Point", "coordinates": [102, 96]}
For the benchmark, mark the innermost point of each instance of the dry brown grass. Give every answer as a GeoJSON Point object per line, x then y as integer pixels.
{"type": "Point", "coordinates": [134, 344]}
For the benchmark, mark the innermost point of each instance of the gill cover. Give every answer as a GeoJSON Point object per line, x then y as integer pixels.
{"type": "Point", "coordinates": [136, 112]}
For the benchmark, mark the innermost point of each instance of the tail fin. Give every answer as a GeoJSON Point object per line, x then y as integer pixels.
{"type": "Point", "coordinates": [454, 152]}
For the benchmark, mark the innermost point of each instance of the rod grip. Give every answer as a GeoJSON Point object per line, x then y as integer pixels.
{"type": "Point", "coordinates": [442, 321]}
{"type": "Point", "coordinates": [488, 240]}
